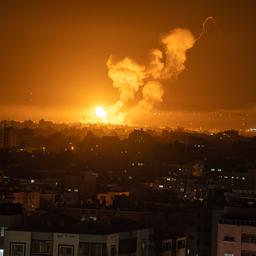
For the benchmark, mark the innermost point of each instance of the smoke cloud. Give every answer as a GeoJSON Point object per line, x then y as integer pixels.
{"type": "Point", "coordinates": [176, 43]}
{"type": "Point", "coordinates": [165, 63]}
{"type": "Point", "coordinates": [152, 93]}
{"type": "Point", "coordinates": [127, 77]}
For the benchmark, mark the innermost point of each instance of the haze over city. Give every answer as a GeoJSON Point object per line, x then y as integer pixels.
{"type": "Point", "coordinates": [153, 63]}
{"type": "Point", "coordinates": [127, 127]}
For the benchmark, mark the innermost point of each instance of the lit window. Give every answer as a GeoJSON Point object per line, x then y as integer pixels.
{"type": "Point", "coordinates": [229, 254]}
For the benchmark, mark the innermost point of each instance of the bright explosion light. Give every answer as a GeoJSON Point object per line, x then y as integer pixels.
{"type": "Point", "coordinates": [100, 112]}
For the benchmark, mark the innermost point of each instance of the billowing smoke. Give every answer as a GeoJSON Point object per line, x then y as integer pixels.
{"type": "Point", "coordinates": [156, 64]}
{"type": "Point", "coordinates": [152, 92]}
{"type": "Point", "coordinates": [127, 77]}
{"type": "Point", "coordinates": [176, 44]}
{"type": "Point", "coordinates": [164, 64]}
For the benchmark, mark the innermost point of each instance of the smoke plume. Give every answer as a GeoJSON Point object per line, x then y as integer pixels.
{"type": "Point", "coordinates": [152, 94]}
{"type": "Point", "coordinates": [164, 64]}
{"type": "Point", "coordinates": [176, 44]}
{"type": "Point", "coordinates": [127, 77]}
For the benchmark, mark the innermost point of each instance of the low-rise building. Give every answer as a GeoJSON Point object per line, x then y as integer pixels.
{"type": "Point", "coordinates": [63, 236]}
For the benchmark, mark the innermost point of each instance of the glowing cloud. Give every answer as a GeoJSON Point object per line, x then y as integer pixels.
{"type": "Point", "coordinates": [127, 77]}
{"type": "Point", "coordinates": [152, 95]}
{"type": "Point", "coordinates": [164, 64]}
{"type": "Point", "coordinates": [176, 43]}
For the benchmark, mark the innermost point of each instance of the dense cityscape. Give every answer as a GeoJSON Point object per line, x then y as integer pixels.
{"type": "Point", "coordinates": [154, 192]}
{"type": "Point", "coordinates": [127, 128]}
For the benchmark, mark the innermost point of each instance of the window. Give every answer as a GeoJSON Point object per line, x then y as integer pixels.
{"type": "Point", "coordinates": [229, 238]}
{"type": "Point", "coordinates": [89, 249]}
{"type": "Point", "coordinates": [248, 238]}
{"type": "Point", "coordinates": [229, 254]}
{"type": "Point", "coordinates": [66, 250]}
{"type": "Point", "coordinates": [39, 247]}
{"type": "Point", "coordinates": [17, 249]}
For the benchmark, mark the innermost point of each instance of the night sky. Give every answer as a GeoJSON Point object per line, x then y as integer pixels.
{"type": "Point", "coordinates": [53, 54]}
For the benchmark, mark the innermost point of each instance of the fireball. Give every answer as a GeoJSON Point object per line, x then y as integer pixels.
{"type": "Point", "coordinates": [100, 112]}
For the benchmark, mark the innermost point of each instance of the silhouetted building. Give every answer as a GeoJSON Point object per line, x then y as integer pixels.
{"type": "Point", "coordinates": [7, 137]}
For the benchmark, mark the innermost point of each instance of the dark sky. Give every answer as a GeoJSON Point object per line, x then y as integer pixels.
{"type": "Point", "coordinates": [53, 54]}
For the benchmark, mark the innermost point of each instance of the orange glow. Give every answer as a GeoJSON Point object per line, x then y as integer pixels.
{"type": "Point", "coordinates": [105, 115]}
{"type": "Point", "coordinates": [100, 112]}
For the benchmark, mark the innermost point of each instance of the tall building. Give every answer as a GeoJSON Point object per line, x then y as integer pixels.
{"type": "Point", "coordinates": [7, 137]}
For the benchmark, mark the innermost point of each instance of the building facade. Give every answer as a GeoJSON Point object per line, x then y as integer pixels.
{"type": "Point", "coordinates": [26, 243]}
{"type": "Point", "coordinates": [237, 233]}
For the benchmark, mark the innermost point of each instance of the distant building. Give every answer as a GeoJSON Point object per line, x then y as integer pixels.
{"type": "Point", "coordinates": [30, 201]}
{"type": "Point", "coordinates": [107, 199]}
{"type": "Point", "coordinates": [7, 137]}
{"type": "Point", "coordinates": [79, 187]}
{"type": "Point", "coordinates": [233, 180]}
